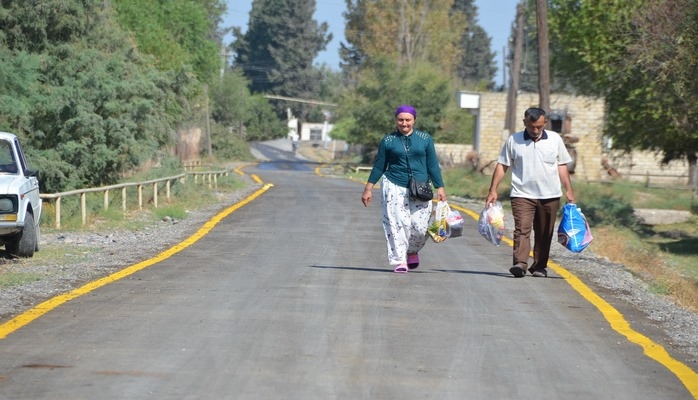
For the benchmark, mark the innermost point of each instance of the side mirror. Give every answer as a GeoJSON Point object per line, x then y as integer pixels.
{"type": "Point", "coordinates": [32, 172]}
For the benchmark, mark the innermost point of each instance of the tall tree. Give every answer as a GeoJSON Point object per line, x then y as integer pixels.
{"type": "Point", "coordinates": [477, 67]}
{"type": "Point", "coordinates": [177, 32]}
{"type": "Point", "coordinates": [528, 69]}
{"type": "Point", "coordinates": [406, 31]}
{"type": "Point", "coordinates": [642, 59]}
{"type": "Point", "coordinates": [366, 112]}
{"type": "Point", "coordinates": [276, 53]}
{"type": "Point", "coordinates": [230, 96]}
{"type": "Point", "coordinates": [97, 106]}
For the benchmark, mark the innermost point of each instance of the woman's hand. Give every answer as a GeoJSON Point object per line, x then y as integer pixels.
{"type": "Point", "coordinates": [441, 194]}
{"type": "Point", "coordinates": [366, 197]}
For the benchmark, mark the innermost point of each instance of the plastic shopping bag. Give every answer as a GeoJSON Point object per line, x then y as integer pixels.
{"type": "Point", "coordinates": [438, 226]}
{"type": "Point", "coordinates": [490, 224]}
{"type": "Point", "coordinates": [455, 222]}
{"type": "Point", "coordinates": [573, 231]}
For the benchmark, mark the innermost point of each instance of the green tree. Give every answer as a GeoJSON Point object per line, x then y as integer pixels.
{"type": "Point", "coordinates": [477, 66]}
{"type": "Point", "coordinates": [230, 96]}
{"type": "Point", "coordinates": [93, 108]}
{"type": "Point", "coordinates": [178, 33]}
{"type": "Point", "coordinates": [365, 114]}
{"type": "Point", "coordinates": [331, 89]}
{"type": "Point", "coordinates": [276, 52]}
{"type": "Point", "coordinates": [642, 60]}
{"type": "Point", "coordinates": [407, 32]}
{"type": "Point", "coordinates": [19, 84]}
{"type": "Point", "coordinates": [262, 122]}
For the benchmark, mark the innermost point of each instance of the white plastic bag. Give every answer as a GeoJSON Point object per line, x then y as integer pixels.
{"type": "Point", "coordinates": [438, 226]}
{"type": "Point", "coordinates": [491, 223]}
{"type": "Point", "coordinates": [455, 222]}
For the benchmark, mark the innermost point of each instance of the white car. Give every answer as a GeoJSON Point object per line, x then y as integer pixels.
{"type": "Point", "coordinates": [20, 204]}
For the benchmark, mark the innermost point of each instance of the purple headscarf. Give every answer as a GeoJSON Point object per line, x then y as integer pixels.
{"type": "Point", "coordinates": [405, 108]}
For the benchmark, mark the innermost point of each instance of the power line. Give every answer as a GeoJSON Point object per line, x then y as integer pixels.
{"type": "Point", "coordinates": [319, 103]}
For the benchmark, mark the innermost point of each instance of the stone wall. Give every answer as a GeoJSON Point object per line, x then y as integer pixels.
{"type": "Point", "coordinates": [583, 120]}
{"type": "Point", "coordinates": [644, 166]}
{"type": "Point", "coordinates": [454, 154]}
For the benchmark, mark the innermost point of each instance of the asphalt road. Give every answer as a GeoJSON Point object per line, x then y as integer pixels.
{"type": "Point", "coordinates": [291, 297]}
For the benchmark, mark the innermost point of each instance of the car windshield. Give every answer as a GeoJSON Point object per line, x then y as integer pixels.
{"type": "Point", "coordinates": [7, 158]}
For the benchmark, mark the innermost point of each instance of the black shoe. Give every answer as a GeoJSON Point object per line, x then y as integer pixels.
{"type": "Point", "coordinates": [539, 273]}
{"type": "Point", "coordinates": [518, 271]}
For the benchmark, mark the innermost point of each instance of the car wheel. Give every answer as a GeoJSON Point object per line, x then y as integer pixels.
{"type": "Point", "coordinates": [24, 243]}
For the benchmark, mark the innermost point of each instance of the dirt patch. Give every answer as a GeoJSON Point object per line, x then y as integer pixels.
{"type": "Point", "coordinates": [650, 216]}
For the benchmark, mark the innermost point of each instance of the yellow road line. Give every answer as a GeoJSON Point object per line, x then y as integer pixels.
{"type": "Point", "coordinates": [28, 316]}
{"type": "Point", "coordinates": [239, 169]}
{"type": "Point", "coordinates": [651, 349]}
{"type": "Point", "coordinates": [618, 323]}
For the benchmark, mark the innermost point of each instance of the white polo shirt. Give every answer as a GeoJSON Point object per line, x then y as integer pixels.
{"type": "Point", "coordinates": [534, 172]}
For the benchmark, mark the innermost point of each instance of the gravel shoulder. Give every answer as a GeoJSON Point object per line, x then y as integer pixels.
{"type": "Point", "coordinates": [96, 254]}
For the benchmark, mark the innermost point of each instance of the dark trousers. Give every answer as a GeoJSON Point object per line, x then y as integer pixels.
{"type": "Point", "coordinates": [539, 215]}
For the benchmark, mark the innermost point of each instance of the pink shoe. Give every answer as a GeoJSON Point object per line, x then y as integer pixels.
{"type": "Point", "coordinates": [400, 269]}
{"type": "Point", "coordinates": [413, 260]}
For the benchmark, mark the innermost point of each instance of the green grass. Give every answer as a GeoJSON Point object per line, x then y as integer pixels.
{"type": "Point", "coordinates": [13, 278]}
{"type": "Point", "coordinates": [184, 196]}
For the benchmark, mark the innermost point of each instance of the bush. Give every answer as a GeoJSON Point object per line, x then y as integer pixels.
{"type": "Point", "coordinates": [609, 211]}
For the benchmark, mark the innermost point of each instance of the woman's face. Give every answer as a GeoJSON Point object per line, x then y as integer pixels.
{"type": "Point", "coordinates": [404, 122]}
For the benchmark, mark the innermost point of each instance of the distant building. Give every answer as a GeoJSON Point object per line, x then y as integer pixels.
{"type": "Point", "coordinates": [316, 132]}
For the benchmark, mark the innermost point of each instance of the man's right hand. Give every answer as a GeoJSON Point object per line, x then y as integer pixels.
{"type": "Point", "coordinates": [491, 198]}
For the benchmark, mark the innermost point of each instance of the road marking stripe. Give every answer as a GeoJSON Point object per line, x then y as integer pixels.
{"type": "Point", "coordinates": [618, 323]}
{"type": "Point", "coordinates": [30, 315]}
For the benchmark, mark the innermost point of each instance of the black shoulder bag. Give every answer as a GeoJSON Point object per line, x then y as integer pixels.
{"type": "Point", "coordinates": [418, 190]}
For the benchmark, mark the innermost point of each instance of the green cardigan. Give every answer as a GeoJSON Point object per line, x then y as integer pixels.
{"type": "Point", "coordinates": [392, 161]}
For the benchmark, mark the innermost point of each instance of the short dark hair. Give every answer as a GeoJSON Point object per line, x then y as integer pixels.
{"type": "Point", "coordinates": [533, 114]}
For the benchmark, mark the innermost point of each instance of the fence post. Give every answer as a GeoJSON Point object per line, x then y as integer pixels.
{"type": "Point", "coordinates": [155, 194]}
{"type": "Point", "coordinates": [58, 213]}
{"type": "Point", "coordinates": [83, 208]}
{"type": "Point", "coordinates": [206, 177]}
{"type": "Point", "coordinates": [140, 197]}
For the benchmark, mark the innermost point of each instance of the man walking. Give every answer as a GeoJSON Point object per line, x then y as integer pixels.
{"type": "Point", "coordinates": [538, 161]}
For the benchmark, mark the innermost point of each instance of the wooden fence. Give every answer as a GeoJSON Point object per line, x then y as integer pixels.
{"type": "Point", "coordinates": [210, 177]}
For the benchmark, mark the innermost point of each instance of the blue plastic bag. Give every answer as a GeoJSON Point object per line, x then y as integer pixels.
{"type": "Point", "coordinates": [573, 232]}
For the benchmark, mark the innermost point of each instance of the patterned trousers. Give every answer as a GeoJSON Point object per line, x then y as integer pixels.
{"type": "Point", "coordinates": [405, 222]}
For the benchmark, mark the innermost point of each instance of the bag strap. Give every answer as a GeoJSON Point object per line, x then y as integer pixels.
{"type": "Point", "coordinates": [407, 155]}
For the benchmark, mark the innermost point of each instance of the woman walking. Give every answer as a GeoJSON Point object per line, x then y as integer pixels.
{"type": "Point", "coordinates": [403, 153]}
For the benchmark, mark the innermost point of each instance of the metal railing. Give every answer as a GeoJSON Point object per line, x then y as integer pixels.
{"type": "Point", "coordinates": [210, 177]}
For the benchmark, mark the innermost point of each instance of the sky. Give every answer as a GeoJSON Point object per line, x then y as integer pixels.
{"type": "Point", "coordinates": [495, 16]}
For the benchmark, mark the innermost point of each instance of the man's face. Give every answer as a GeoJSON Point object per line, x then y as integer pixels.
{"type": "Point", "coordinates": [405, 122]}
{"type": "Point", "coordinates": [535, 128]}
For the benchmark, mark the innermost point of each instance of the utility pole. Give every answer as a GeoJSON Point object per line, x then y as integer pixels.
{"type": "Point", "coordinates": [543, 55]}
{"type": "Point", "coordinates": [515, 70]}
{"type": "Point", "coordinates": [504, 66]}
